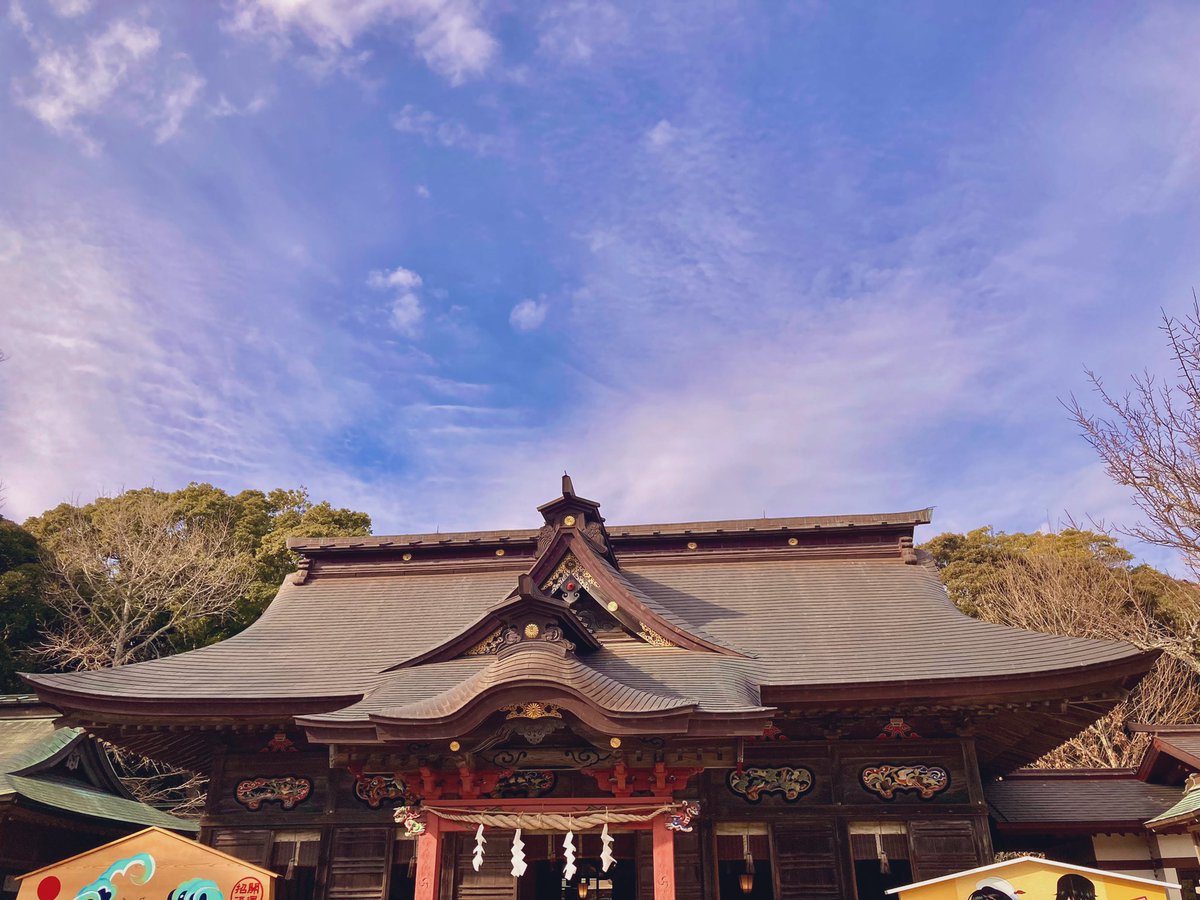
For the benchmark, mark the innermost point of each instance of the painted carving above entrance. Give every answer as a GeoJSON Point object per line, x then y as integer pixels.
{"type": "Point", "coordinates": [373, 790]}
{"type": "Point", "coordinates": [886, 780]}
{"type": "Point", "coordinates": [287, 790]}
{"type": "Point", "coordinates": [750, 783]}
{"type": "Point", "coordinates": [524, 784]}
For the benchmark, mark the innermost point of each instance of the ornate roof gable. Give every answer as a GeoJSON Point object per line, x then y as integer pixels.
{"type": "Point", "coordinates": [527, 614]}
{"type": "Point", "coordinates": [638, 613]}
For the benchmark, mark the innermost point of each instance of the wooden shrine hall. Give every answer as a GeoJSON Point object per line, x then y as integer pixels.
{"type": "Point", "coordinates": [765, 708]}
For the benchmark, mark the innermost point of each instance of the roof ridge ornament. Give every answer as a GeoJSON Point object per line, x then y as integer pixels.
{"type": "Point", "coordinates": [572, 511]}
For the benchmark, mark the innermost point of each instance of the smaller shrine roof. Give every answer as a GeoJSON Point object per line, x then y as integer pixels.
{"type": "Point", "coordinates": [1185, 811]}
{"type": "Point", "coordinates": [30, 749]}
{"type": "Point", "coordinates": [1085, 798]}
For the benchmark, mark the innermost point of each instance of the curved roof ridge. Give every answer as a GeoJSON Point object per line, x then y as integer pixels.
{"type": "Point", "coordinates": [534, 664]}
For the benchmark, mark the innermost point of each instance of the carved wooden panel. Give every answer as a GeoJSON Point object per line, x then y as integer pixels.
{"type": "Point", "coordinates": [806, 856]}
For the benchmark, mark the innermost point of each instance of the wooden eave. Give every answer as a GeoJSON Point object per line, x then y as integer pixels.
{"type": "Point", "coordinates": [81, 705]}
{"type": "Point", "coordinates": [1048, 684]}
{"type": "Point", "coordinates": [1166, 761]}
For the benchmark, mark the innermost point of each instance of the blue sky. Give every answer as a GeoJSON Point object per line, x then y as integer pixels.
{"type": "Point", "coordinates": [715, 259]}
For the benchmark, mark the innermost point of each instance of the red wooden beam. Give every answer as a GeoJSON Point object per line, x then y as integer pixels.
{"type": "Point", "coordinates": [429, 860]}
{"type": "Point", "coordinates": [664, 859]}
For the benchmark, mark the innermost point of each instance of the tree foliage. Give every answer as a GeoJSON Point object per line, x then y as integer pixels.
{"type": "Point", "coordinates": [254, 525]}
{"type": "Point", "coordinates": [144, 574]}
{"type": "Point", "coordinates": [22, 607]}
{"type": "Point", "coordinates": [130, 574]}
{"type": "Point", "coordinates": [1080, 583]}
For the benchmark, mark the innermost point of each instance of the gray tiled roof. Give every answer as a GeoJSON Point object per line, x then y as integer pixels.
{"type": "Point", "coordinates": [807, 621]}
{"type": "Point", "coordinates": [1058, 800]}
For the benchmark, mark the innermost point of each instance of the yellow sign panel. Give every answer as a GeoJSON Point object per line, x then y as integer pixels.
{"type": "Point", "coordinates": [1028, 878]}
{"type": "Point", "coordinates": [151, 865]}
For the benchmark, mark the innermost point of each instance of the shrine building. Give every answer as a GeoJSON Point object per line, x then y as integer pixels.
{"type": "Point", "coordinates": [763, 708]}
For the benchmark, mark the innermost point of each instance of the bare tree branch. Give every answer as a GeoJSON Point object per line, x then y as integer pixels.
{"type": "Point", "coordinates": [1149, 440]}
{"type": "Point", "coordinates": [123, 578]}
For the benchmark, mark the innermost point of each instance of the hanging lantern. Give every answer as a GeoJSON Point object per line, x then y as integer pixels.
{"type": "Point", "coordinates": [583, 889]}
{"type": "Point", "coordinates": [746, 879]}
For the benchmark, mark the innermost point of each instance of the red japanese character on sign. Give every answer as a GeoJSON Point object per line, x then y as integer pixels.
{"type": "Point", "coordinates": [248, 889]}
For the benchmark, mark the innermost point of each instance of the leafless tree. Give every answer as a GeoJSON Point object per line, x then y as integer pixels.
{"type": "Point", "coordinates": [125, 575]}
{"type": "Point", "coordinates": [1081, 596]}
{"type": "Point", "coordinates": [129, 574]}
{"type": "Point", "coordinates": [1149, 440]}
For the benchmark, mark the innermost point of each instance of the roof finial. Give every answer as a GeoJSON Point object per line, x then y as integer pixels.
{"type": "Point", "coordinates": [567, 488]}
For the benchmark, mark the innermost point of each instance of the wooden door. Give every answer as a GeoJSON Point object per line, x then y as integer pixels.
{"type": "Point", "coordinates": [806, 860]}
{"type": "Point", "coordinates": [494, 880]}
{"type": "Point", "coordinates": [252, 845]}
{"type": "Point", "coordinates": [942, 847]}
{"type": "Point", "coordinates": [359, 860]}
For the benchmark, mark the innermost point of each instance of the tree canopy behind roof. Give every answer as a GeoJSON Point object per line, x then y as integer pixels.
{"type": "Point", "coordinates": [258, 523]}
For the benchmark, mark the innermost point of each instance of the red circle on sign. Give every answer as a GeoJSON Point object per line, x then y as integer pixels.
{"type": "Point", "coordinates": [49, 887]}
{"type": "Point", "coordinates": [247, 889]}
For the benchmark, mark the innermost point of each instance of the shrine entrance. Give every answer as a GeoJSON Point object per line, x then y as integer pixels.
{"type": "Point", "coordinates": [543, 878]}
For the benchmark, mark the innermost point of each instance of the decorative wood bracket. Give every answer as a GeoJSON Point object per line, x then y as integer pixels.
{"type": "Point", "coordinates": [660, 781]}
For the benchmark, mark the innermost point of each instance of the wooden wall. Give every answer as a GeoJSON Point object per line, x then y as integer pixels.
{"type": "Point", "coordinates": [351, 846]}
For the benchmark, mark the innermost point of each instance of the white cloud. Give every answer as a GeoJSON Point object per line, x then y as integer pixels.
{"type": "Point", "coordinates": [176, 102]}
{"type": "Point", "coordinates": [436, 130]}
{"type": "Point", "coordinates": [661, 134]}
{"type": "Point", "coordinates": [423, 191]}
{"type": "Point", "coordinates": [572, 31]}
{"type": "Point", "coordinates": [528, 315]}
{"type": "Point", "coordinates": [224, 107]}
{"type": "Point", "coordinates": [399, 277]}
{"type": "Point", "coordinates": [19, 18]}
{"type": "Point", "coordinates": [406, 308]}
{"type": "Point", "coordinates": [407, 313]}
{"type": "Point", "coordinates": [70, 9]}
{"type": "Point", "coordinates": [70, 83]}
{"type": "Point", "coordinates": [448, 34]}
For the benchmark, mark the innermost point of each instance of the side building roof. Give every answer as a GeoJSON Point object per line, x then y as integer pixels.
{"type": "Point", "coordinates": [48, 767]}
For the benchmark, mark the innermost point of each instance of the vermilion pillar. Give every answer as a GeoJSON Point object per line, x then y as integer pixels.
{"type": "Point", "coordinates": [664, 860]}
{"type": "Point", "coordinates": [429, 859]}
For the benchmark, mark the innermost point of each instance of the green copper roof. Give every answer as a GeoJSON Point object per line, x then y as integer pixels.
{"type": "Point", "coordinates": [26, 743]}
{"type": "Point", "coordinates": [1188, 806]}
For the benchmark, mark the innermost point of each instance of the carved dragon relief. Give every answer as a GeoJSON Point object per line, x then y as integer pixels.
{"type": "Point", "coordinates": [886, 780]}
{"type": "Point", "coordinates": [754, 781]}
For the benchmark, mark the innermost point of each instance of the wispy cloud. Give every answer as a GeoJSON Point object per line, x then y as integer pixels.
{"type": "Point", "coordinates": [70, 9]}
{"type": "Point", "coordinates": [71, 83]}
{"type": "Point", "coordinates": [573, 31]}
{"type": "Point", "coordinates": [448, 34]}
{"type": "Point", "coordinates": [444, 132]}
{"type": "Point", "coordinates": [405, 286]}
{"type": "Point", "coordinates": [528, 315]}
